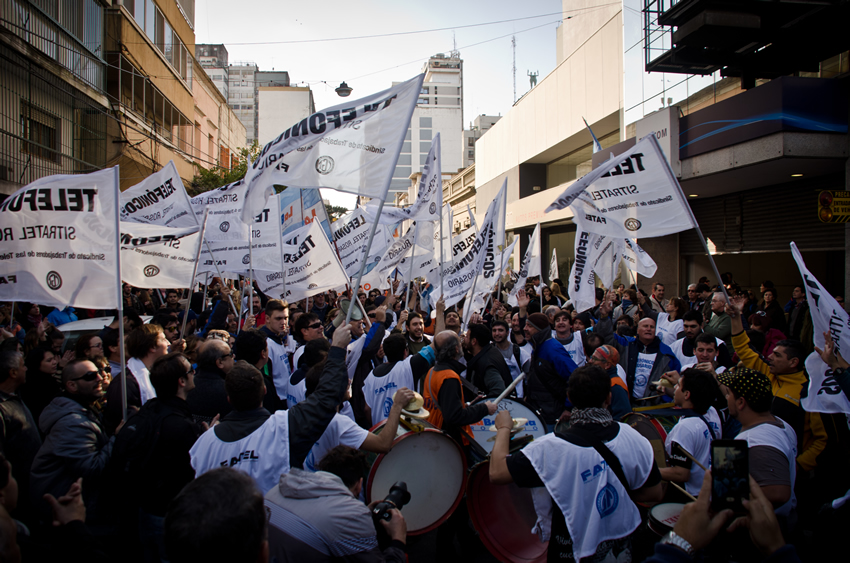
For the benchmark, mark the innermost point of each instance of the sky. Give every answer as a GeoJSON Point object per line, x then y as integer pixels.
{"type": "Point", "coordinates": [320, 53]}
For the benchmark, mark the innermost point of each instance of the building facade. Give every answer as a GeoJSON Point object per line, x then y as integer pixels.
{"type": "Point", "coordinates": [218, 134]}
{"type": "Point", "coordinates": [470, 136]}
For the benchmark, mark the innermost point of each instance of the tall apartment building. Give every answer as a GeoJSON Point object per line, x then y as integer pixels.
{"type": "Point", "coordinates": [439, 110]}
{"type": "Point", "coordinates": [480, 126]}
{"type": "Point", "coordinates": [213, 59]}
{"type": "Point", "coordinates": [242, 95]}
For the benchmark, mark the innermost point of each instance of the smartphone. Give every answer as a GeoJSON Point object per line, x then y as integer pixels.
{"type": "Point", "coordinates": [730, 474]}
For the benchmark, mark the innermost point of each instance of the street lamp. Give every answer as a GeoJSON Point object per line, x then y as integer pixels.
{"type": "Point", "coordinates": [344, 90]}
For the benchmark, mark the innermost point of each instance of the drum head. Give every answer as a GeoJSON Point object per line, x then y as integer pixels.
{"type": "Point", "coordinates": [652, 431]}
{"type": "Point", "coordinates": [662, 517]}
{"type": "Point", "coordinates": [503, 515]}
{"type": "Point", "coordinates": [434, 468]}
{"type": "Point", "coordinates": [518, 409]}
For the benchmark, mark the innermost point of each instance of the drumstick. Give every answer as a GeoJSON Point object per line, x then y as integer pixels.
{"type": "Point", "coordinates": [648, 398]}
{"type": "Point", "coordinates": [510, 388]}
{"type": "Point", "coordinates": [689, 495]}
{"type": "Point", "coordinates": [692, 458]}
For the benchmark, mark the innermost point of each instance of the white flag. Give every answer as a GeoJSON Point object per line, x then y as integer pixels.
{"type": "Point", "coordinates": [232, 208]}
{"type": "Point", "coordinates": [159, 199]}
{"type": "Point", "coordinates": [481, 257]}
{"type": "Point", "coordinates": [582, 283]}
{"type": "Point", "coordinates": [637, 259]}
{"type": "Point", "coordinates": [603, 257]}
{"type": "Point", "coordinates": [350, 234]}
{"type": "Point", "coordinates": [158, 257]}
{"type": "Point", "coordinates": [352, 147]}
{"type": "Point", "coordinates": [311, 266]}
{"type": "Point", "coordinates": [637, 196]}
{"type": "Point", "coordinates": [429, 199]}
{"type": "Point", "coordinates": [377, 278]}
{"type": "Point", "coordinates": [553, 266]}
{"type": "Point", "coordinates": [530, 265]}
{"type": "Point", "coordinates": [824, 394]}
{"type": "Point", "coordinates": [59, 241]}
{"type": "Point", "coordinates": [443, 248]}
{"type": "Point", "coordinates": [472, 222]}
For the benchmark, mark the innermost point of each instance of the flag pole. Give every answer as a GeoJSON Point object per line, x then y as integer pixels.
{"type": "Point", "coordinates": [282, 262]}
{"type": "Point", "coordinates": [195, 273]}
{"type": "Point", "coordinates": [410, 270]}
{"type": "Point", "coordinates": [505, 246]}
{"type": "Point", "coordinates": [440, 261]}
{"type": "Point", "coordinates": [206, 283]}
{"type": "Point", "coordinates": [356, 286]}
{"type": "Point", "coordinates": [221, 277]}
{"type": "Point", "coordinates": [120, 294]}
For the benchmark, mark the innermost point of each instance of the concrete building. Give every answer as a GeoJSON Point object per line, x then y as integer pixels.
{"type": "Point", "coordinates": [218, 134]}
{"type": "Point", "coordinates": [213, 58]}
{"type": "Point", "coordinates": [280, 105]}
{"type": "Point", "coordinates": [55, 110]}
{"type": "Point", "coordinates": [470, 136]}
{"type": "Point", "coordinates": [242, 96]}
{"type": "Point", "coordinates": [752, 189]}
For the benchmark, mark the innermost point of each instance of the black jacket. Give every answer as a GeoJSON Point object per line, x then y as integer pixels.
{"type": "Point", "coordinates": [113, 413]}
{"type": "Point", "coordinates": [19, 439]}
{"type": "Point", "coordinates": [450, 399]}
{"type": "Point", "coordinates": [209, 397]}
{"type": "Point", "coordinates": [481, 368]}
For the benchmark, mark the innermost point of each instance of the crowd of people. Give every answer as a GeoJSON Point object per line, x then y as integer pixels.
{"type": "Point", "coordinates": [239, 425]}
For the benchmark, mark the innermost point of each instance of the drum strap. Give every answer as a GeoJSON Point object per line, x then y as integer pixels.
{"type": "Point", "coordinates": [585, 439]}
{"type": "Point", "coordinates": [707, 425]}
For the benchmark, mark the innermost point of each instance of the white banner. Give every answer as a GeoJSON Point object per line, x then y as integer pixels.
{"type": "Point", "coordinates": [58, 236]}
{"type": "Point", "coordinates": [637, 197]}
{"type": "Point", "coordinates": [429, 198]}
{"type": "Point", "coordinates": [158, 257]}
{"type": "Point", "coordinates": [377, 278]}
{"type": "Point", "coordinates": [582, 283]}
{"type": "Point", "coordinates": [603, 257]}
{"type": "Point", "coordinates": [352, 147]}
{"type": "Point", "coordinates": [311, 267]}
{"type": "Point", "coordinates": [234, 256]}
{"type": "Point", "coordinates": [824, 393]}
{"type": "Point", "coordinates": [637, 259]}
{"type": "Point", "coordinates": [350, 233]}
{"type": "Point", "coordinates": [445, 246]}
{"type": "Point", "coordinates": [553, 266]}
{"type": "Point", "coordinates": [159, 199]}
{"type": "Point", "coordinates": [481, 257]}
{"type": "Point", "coordinates": [530, 265]}
{"type": "Point", "coordinates": [232, 208]}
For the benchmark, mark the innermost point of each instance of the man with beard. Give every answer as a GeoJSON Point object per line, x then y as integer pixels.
{"type": "Point", "coordinates": [684, 347]}
{"type": "Point", "coordinates": [514, 355]}
{"type": "Point", "coordinates": [486, 368]}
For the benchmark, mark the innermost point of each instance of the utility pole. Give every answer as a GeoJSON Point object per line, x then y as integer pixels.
{"type": "Point", "coordinates": [513, 46]}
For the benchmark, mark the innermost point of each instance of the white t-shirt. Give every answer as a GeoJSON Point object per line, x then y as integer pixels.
{"type": "Point", "coordinates": [784, 440]}
{"type": "Point", "coordinates": [342, 431]}
{"type": "Point", "coordinates": [279, 355]}
{"type": "Point", "coordinates": [575, 349]}
{"type": "Point", "coordinates": [378, 391]}
{"type": "Point", "coordinates": [692, 434]}
{"type": "Point", "coordinates": [642, 371]}
{"type": "Point", "coordinates": [666, 329]}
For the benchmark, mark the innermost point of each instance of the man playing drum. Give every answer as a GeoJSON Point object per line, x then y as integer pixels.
{"type": "Point", "coordinates": [593, 474]}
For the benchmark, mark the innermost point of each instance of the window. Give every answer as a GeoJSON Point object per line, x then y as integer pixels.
{"type": "Point", "coordinates": [470, 141]}
{"type": "Point", "coordinates": [150, 17]}
{"type": "Point", "coordinates": [405, 147]}
{"type": "Point", "coordinates": [402, 172]}
{"type": "Point", "coordinates": [425, 135]}
{"type": "Point", "coordinates": [425, 122]}
{"type": "Point", "coordinates": [407, 136]}
{"type": "Point", "coordinates": [422, 101]}
{"type": "Point", "coordinates": [471, 154]}
{"type": "Point", "coordinates": [422, 159]}
{"type": "Point", "coordinates": [404, 159]}
{"type": "Point", "coordinates": [43, 130]}
{"type": "Point", "coordinates": [224, 158]}
{"type": "Point", "coordinates": [424, 147]}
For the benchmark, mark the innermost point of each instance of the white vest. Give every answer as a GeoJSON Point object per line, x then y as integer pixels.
{"type": "Point", "coordinates": [263, 454]}
{"type": "Point", "coordinates": [666, 329]}
{"type": "Point", "coordinates": [784, 440]}
{"type": "Point", "coordinates": [684, 360]}
{"type": "Point", "coordinates": [378, 391]}
{"type": "Point", "coordinates": [595, 504]}
{"type": "Point", "coordinates": [693, 435]}
{"type": "Point", "coordinates": [576, 349]}
{"type": "Point", "coordinates": [279, 355]}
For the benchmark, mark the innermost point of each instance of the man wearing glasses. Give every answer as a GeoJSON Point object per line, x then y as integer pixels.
{"type": "Point", "coordinates": [76, 443]}
{"type": "Point", "coordinates": [209, 398]}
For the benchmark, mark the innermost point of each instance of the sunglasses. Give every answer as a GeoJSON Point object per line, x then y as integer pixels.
{"type": "Point", "coordinates": [315, 325]}
{"type": "Point", "coordinates": [88, 376]}
{"type": "Point", "coordinates": [190, 372]}
{"type": "Point", "coordinates": [96, 346]}
{"type": "Point", "coordinates": [230, 355]}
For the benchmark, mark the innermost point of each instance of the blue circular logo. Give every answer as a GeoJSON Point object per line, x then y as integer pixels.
{"type": "Point", "coordinates": [607, 501]}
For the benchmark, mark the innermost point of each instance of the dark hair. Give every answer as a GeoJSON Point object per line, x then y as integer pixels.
{"type": "Point", "coordinates": [702, 288]}
{"type": "Point", "coordinates": [588, 387]}
{"type": "Point", "coordinates": [5, 472]}
{"type": "Point", "coordinates": [70, 370]}
{"type": "Point", "coordinates": [794, 349]}
{"type": "Point", "coordinates": [301, 323]}
{"type": "Point", "coordinates": [55, 334]}
{"type": "Point", "coordinates": [500, 323]}
{"type": "Point", "coordinates": [165, 373]}
{"type": "Point", "coordinates": [563, 313]}
{"type": "Point", "coordinates": [592, 341]}
{"type": "Point", "coordinates": [245, 386]}
{"type": "Point", "coordinates": [220, 516]}
{"type": "Point", "coordinates": [110, 338]}
{"type": "Point", "coordinates": [394, 347]}
{"type": "Point", "coordinates": [210, 352]}
{"type": "Point", "coordinates": [83, 344]}
{"type": "Point", "coordinates": [626, 318]}
{"type": "Point", "coordinates": [702, 387]}
{"type": "Point", "coordinates": [600, 293]}
{"type": "Point", "coordinates": [311, 380]}
{"type": "Point", "coordinates": [413, 315]}
{"type": "Point", "coordinates": [135, 320]}
{"type": "Point", "coordinates": [163, 318]}
{"type": "Point", "coordinates": [757, 340]}
{"type": "Point", "coordinates": [250, 345]}
{"type": "Point", "coordinates": [481, 333]}
{"type": "Point", "coordinates": [315, 351]}
{"type": "Point", "coordinates": [346, 463]}
{"type": "Point", "coordinates": [274, 305]}
{"type": "Point", "coordinates": [693, 316]}
{"type": "Point", "coordinates": [32, 361]}
{"type": "Point", "coordinates": [770, 290]}
{"type": "Point", "coordinates": [141, 340]}
{"type": "Point", "coordinates": [174, 291]}
{"type": "Point", "coordinates": [767, 284]}
{"type": "Point", "coordinates": [8, 362]}
{"type": "Point", "coordinates": [679, 303]}
{"type": "Point", "coordinates": [705, 338]}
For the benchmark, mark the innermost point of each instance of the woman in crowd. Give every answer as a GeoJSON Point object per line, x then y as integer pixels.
{"type": "Point", "coordinates": [43, 383]}
{"type": "Point", "coordinates": [774, 310]}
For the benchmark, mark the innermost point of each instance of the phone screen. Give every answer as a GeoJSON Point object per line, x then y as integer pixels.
{"type": "Point", "coordinates": [730, 469]}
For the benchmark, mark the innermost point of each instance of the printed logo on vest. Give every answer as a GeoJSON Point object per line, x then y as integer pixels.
{"type": "Point", "coordinates": [607, 501]}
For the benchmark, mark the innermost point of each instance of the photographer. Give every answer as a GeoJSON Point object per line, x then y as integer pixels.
{"type": "Point", "coordinates": [318, 517]}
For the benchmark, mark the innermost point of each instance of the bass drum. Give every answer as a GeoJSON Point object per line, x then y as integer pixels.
{"type": "Point", "coordinates": [662, 517]}
{"type": "Point", "coordinates": [434, 468]}
{"type": "Point", "coordinates": [519, 409]}
{"type": "Point", "coordinates": [503, 515]}
{"type": "Point", "coordinates": [650, 429]}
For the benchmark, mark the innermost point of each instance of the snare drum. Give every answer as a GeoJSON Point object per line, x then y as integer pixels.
{"type": "Point", "coordinates": [519, 409]}
{"type": "Point", "coordinates": [650, 429]}
{"type": "Point", "coordinates": [434, 468]}
{"type": "Point", "coordinates": [662, 517]}
{"type": "Point", "coordinates": [503, 515]}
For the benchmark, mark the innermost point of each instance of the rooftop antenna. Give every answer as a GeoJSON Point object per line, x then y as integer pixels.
{"type": "Point", "coordinates": [513, 46]}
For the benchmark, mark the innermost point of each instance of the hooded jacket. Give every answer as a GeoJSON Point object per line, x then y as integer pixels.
{"type": "Point", "coordinates": [314, 517]}
{"type": "Point", "coordinates": [75, 445]}
{"type": "Point", "coordinates": [489, 371]}
{"type": "Point", "coordinates": [549, 370]}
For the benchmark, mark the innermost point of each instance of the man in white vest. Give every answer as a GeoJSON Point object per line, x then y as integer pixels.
{"type": "Point", "coordinates": [593, 474]}
{"type": "Point", "coordinates": [281, 345]}
{"type": "Point", "coordinates": [572, 342]}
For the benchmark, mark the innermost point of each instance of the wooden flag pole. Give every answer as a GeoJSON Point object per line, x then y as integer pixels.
{"type": "Point", "coordinates": [195, 273]}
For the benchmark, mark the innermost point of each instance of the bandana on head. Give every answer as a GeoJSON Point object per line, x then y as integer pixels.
{"type": "Point", "coordinates": [748, 383]}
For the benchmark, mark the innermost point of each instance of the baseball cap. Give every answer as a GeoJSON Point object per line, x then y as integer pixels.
{"type": "Point", "coordinates": [748, 383]}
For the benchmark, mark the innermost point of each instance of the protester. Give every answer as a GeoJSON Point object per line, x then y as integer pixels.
{"type": "Point", "coordinates": [485, 367]}
{"type": "Point", "coordinates": [252, 347]}
{"type": "Point", "coordinates": [43, 381]}
{"type": "Point", "coordinates": [280, 344]}
{"type": "Point", "coordinates": [573, 342]}
{"type": "Point", "coordinates": [608, 358]}
{"type": "Point", "coordinates": [515, 357]}
{"type": "Point", "coordinates": [684, 347]}
{"type": "Point", "coordinates": [209, 398]}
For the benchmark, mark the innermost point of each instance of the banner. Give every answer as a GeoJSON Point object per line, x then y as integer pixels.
{"type": "Point", "coordinates": [429, 198]}
{"type": "Point", "coordinates": [158, 257]}
{"type": "Point", "coordinates": [637, 197]}
{"type": "Point", "coordinates": [603, 257]}
{"type": "Point", "coordinates": [824, 394]}
{"type": "Point", "coordinates": [231, 207]}
{"type": "Point", "coordinates": [58, 236]}
{"type": "Point", "coordinates": [392, 257]}
{"type": "Point", "coordinates": [291, 210]}
{"type": "Point", "coordinates": [459, 276]}
{"type": "Point", "coordinates": [582, 282]}
{"type": "Point", "coordinates": [233, 256]}
{"type": "Point", "coordinates": [313, 207]}
{"type": "Point", "coordinates": [530, 265]}
{"type": "Point", "coordinates": [352, 147]}
{"type": "Point", "coordinates": [159, 199]}
{"type": "Point", "coordinates": [310, 265]}
{"type": "Point", "coordinates": [350, 233]}
{"type": "Point", "coordinates": [553, 266]}
{"type": "Point", "coordinates": [637, 259]}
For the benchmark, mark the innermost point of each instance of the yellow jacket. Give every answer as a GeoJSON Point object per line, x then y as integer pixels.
{"type": "Point", "coordinates": [814, 441]}
{"type": "Point", "coordinates": [787, 386]}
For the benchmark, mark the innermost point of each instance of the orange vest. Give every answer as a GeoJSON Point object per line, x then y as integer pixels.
{"type": "Point", "coordinates": [620, 382]}
{"type": "Point", "coordinates": [431, 391]}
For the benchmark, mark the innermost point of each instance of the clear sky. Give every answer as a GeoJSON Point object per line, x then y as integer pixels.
{"type": "Point", "coordinates": [253, 30]}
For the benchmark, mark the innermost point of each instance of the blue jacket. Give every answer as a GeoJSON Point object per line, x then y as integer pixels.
{"type": "Point", "coordinates": [64, 316]}
{"type": "Point", "coordinates": [549, 370]}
